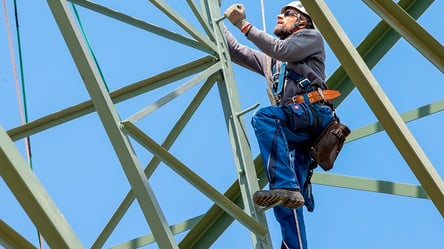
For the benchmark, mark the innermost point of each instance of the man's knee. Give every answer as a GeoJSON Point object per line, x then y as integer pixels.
{"type": "Point", "coordinates": [259, 116]}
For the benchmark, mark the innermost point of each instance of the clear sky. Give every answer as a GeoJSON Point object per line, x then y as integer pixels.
{"type": "Point", "coordinates": [78, 167]}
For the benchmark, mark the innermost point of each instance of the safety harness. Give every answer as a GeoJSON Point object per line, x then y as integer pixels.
{"type": "Point", "coordinates": [309, 95]}
{"type": "Point", "coordinates": [279, 79]}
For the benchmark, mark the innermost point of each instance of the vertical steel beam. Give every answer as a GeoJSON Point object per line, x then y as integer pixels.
{"type": "Point", "coordinates": [378, 101]}
{"type": "Point", "coordinates": [33, 197]}
{"type": "Point", "coordinates": [236, 128]}
{"type": "Point", "coordinates": [111, 122]}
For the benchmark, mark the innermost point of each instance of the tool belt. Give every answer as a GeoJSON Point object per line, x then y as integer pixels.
{"type": "Point", "coordinates": [315, 96]}
{"type": "Point", "coordinates": [327, 146]}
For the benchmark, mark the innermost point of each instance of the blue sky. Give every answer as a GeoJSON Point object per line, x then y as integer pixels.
{"type": "Point", "coordinates": [78, 167]}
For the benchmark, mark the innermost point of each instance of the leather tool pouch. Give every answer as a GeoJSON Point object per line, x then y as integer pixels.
{"type": "Point", "coordinates": [328, 145]}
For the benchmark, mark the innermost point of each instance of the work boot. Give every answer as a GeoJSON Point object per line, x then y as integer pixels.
{"type": "Point", "coordinates": [288, 198]}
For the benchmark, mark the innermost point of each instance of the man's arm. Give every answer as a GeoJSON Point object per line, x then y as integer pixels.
{"type": "Point", "coordinates": [298, 47]}
{"type": "Point", "coordinates": [247, 57]}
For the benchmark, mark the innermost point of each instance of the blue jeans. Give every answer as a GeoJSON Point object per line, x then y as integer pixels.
{"type": "Point", "coordinates": [284, 134]}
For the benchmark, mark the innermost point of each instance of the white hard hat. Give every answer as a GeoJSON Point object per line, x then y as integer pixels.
{"type": "Point", "coordinates": [297, 5]}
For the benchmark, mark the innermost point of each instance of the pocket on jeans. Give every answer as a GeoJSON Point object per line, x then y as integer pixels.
{"type": "Point", "coordinates": [298, 116]}
{"type": "Point", "coordinates": [326, 115]}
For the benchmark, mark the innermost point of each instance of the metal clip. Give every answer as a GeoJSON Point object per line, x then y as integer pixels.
{"type": "Point", "coordinates": [321, 93]}
{"type": "Point", "coordinates": [304, 83]}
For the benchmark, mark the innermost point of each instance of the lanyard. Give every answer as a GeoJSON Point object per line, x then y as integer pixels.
{"type": "Point", "coordinates": [282, 74]}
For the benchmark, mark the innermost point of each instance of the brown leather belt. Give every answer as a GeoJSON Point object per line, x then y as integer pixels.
{"type": "Point", "coordinates": [316, 96]}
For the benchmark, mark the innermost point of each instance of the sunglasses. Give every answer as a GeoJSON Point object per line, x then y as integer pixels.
{"type": "Point", "coordinates": [290, 13]}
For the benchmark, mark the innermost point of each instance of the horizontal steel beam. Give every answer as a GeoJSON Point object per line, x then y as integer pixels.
{"type": "Point", "coordinates": [371, 185]}
{"type": "Point", "coordinates": [117, 96]}
{"type": "Point", "coordinates": [406, 117]}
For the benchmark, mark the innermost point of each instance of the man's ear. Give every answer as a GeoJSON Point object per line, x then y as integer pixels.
{"type": "Point", "coordinates": [303, 23]}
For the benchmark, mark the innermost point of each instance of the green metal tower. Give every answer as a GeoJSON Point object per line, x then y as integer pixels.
{"type": "Point", "coordinates": [215, 68]}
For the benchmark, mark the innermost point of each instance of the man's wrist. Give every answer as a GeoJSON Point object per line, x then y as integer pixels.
{"type": "Point", "coordinates": [240, 23]}
{"type": "Point", "coordinates": [246, 28]}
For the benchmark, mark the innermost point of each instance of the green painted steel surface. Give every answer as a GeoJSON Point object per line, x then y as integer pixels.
{"type": "Point", "coordinates": [33, 197]}
{"type": "Point", "coordinates": [235, 203]}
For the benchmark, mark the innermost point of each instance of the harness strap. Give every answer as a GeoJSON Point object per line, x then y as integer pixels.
{"type": "Point", "coordinates": [316, 120]}
{"type": "Point", "coordinates": [282, 75]}
{"type": "Point", "coordinates": [278, 78]}
{"type": "Point", "coordinates": [294, 76]}
{"type": "Point", "coordinates": [303, 82]}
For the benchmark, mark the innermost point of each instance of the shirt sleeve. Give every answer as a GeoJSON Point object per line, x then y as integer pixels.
{"type": "Point", "coordinates": [247, 57]}
{"type": "Point", "coordinates": [298, 47]}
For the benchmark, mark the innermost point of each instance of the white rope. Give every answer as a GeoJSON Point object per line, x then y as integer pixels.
{"type": "Point", "coordinates": [263, 15]}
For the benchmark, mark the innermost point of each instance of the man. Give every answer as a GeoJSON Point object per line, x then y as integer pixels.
{"type": "Point", "coordinates": [293, 65]}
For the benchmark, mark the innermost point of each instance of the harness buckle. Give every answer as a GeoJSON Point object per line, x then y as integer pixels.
{"type": "Point", "coordinates": [304, 83]}
{"type": "Point", "coordinates": [321, 93]}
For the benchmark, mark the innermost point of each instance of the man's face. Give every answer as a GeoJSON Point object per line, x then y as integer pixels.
{"type": "Point", "coordinates": [286, 23]}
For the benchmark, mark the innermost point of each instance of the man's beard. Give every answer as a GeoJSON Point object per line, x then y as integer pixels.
{"type": "Point", "coordinates": [282, 33]}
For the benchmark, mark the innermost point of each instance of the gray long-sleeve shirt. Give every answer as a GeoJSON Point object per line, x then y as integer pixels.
{"type": "Point", "coordinates": [303, 51]}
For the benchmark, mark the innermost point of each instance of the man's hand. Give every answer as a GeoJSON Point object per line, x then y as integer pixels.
{"type": "Point", "coordinates": [236, 14]}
